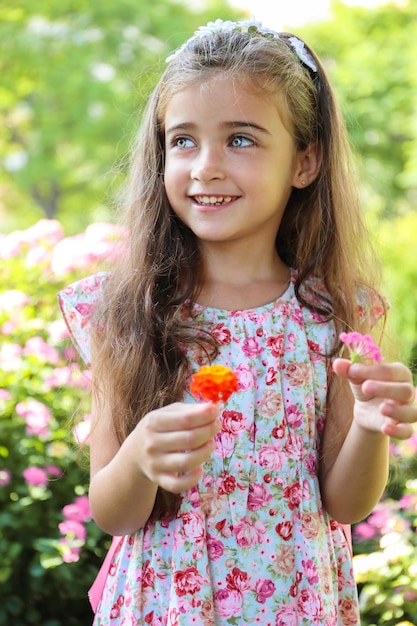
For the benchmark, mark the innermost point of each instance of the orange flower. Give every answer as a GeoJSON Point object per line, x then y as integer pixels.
{"type": "Point", "coordinates": [213, 382]}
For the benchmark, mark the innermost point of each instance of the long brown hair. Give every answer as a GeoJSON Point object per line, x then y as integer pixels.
{"type": "Point", "coordinates": [140, 358]}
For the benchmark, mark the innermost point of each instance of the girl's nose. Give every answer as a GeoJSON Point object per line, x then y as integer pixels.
{"type": "Point", "coordinates": [208, 165]}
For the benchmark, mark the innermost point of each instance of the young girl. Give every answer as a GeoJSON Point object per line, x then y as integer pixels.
{"type": "Point", "coordinates": [246, 250]}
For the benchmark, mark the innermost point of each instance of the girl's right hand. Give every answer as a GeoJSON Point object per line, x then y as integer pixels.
{"type": "Point", "coordinates": [173, 443]}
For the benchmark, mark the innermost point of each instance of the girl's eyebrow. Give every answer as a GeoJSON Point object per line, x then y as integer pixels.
{"type": "Point", "coordinates": [228, 125]}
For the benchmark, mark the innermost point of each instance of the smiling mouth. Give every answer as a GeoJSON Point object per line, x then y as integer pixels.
{"type": "Point", "coordinates": [214, 200]}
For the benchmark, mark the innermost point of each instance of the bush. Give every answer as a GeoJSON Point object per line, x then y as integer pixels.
{"type": "Point", "coordinates": [386, 547]}
{"type": "Point", "coordinates": [44, 514]}
{"type": "Point", "coordinates": [50, 549]}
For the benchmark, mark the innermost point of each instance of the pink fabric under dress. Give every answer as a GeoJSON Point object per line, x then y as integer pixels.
{"type": "Point", "coordinates": [251, 543]}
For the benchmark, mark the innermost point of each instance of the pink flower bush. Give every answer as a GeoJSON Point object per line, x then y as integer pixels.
{"type": "Point", "coordinates": [43, 392]}
{"type": "Point", "coordinates": [37, 416]}
{"type": "Point", "coordinates": [82, 429]}
{"type": "Point", "coordinates": [5, 477]}
{"type": "Point", "coordinates": [36, 476]}
{"type": "Point", "coordinates": [361, 347]}
{"type": "Point", "coordinates": [37, 346]}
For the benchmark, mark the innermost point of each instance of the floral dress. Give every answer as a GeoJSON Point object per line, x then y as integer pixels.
{"type": "Point", "coordinates": [251, 543]}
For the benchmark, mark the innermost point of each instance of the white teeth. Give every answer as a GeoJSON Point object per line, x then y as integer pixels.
{"type": "Point", "coordinates": [213, 200]}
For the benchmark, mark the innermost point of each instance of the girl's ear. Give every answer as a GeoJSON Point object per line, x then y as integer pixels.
{"type": "Point", "coordinates": [307, 166]}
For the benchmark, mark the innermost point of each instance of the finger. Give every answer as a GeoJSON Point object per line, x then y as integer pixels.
{"type": "Point", "coordinates": [341, 367]}
{"type": "Point", "coordinates": [180, 462]}
{"type": "Point", "coordinates": [388, 372]}
{"type": "Point", "coordinates": [176, 441]}
{"type": "Point", "coordinates": [400, 392]}
{"type": "Point", "coordinates": [178, 483]}
{"type": "Point", "coordinates": [399, 412]}
{"type": "Point", "coordinates": [397, 430]}
{"type": "Point", "coordinates": [180, 416]}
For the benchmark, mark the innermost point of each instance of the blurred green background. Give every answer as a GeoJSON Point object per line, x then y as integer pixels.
{"type": "Point", "coordinates": [74, 76]}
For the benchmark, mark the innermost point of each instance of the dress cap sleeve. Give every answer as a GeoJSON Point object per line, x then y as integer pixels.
{"type": "Point", "coordinates": [372, 306]}
{"type": "Point", "coordinates": [77, 303]}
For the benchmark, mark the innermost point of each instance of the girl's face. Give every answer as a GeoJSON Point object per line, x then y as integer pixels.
{"type": "Point", "coordinates": [230, 162]}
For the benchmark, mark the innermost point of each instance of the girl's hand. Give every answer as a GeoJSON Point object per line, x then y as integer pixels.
{"type": "Point", "coordinates": [384, 396]}
{"type": "Point", "coordinates": [173, 443]}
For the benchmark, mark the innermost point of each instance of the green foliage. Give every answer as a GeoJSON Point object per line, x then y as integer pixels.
{"type": "Point", "coordinates": [386, 545]}
{"type": "Point", "coordinates": [74, 75]}
{"type": "Point", "coordinates": [41, 392]}
{"type": "Point", "coordinates": [397, 241]}
{"type": "Point", "coordinates": [370, 56]}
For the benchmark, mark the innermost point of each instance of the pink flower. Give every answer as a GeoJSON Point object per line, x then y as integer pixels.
{"type": "Point", "coordinates": [187, 581]}
{"type": "Point", "coordinates": [80, 251]}
{"type": "Point", "coordinates": [245, 376]}
{"type": "Point", "coordinates": [310, 605]}
{"type": "Point", "coordinates": [35, 476]}
{"type": "Point", "coordinates": [270, 456]}
{"type": "Point", "coordinates": [36, 414]}
{"type": "Point", "coordinates": [53, 470]}
{"type": "Point", "coordinates": [11, 245]}
{"type": "Point", "coordinates": [258, 496]}
{"type": "Point", "coordinates": [349, 613]}
{"type": "Point", "coordinates": [284, 530]}
{"type": "Point", "coordinates": [249, 532]}
{"type": "Point", "coordinates": [71, 552]}
{"type": "Point", "coordinates": [5, 395]}
{"type": "Point", "coordinates": [310, 570]}
{"type": "Point", "coordinates": [38, 347]}
{"type": "Point", "coordinates": [293, 493]}
{"type": "Point", "coordinates": [233, 422]}
{"type": "Point", "coordinates": [362, 348]}
{"type": "Point", "coordinates": [251, 347]}
{"type": "Point", "coordinates": [81, 430]}
{"type": "Point", "coordinates": [221, 334]}
{"type": "Point", "coordinates": [264, 589]}
{"type": "Point", "coordinates": [78, 511]}
{"type": "Point", "coordinates": [10, 357]}
{"type": "Point", "coordinates": [193, 527]}
{"type": "Point", "coordinates": [227, 603]}
{"type": "Point", "coordinates": [44, 231]}
{"type": "Point", "coordinates": [215, 548]}
{"type": "Point", "coordinates": [238, 580]}
{"type": "Point", "coordinates": [364, 531]}
{"type": "Point", "coordinates": [58, 331]}
{"type": "Point", "coordinates": [13, 300]}
{"type": "Point", "coordinates": [59, 377]}
{"type": "Point", "coordinates": [5, 477]}
{"type": "Point", "coordinates": [72, 528]}
{"type": "Point", "coordinates": [38, 255]}
{"type": "Point", "coordinates": [286, 615]}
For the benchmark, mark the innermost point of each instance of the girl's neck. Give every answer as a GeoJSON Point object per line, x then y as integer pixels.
{"type": "Point", "coordinates": [236, 283]}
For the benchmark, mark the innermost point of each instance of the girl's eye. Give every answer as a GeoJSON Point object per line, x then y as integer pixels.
{"type": "Point", "coordinates": [240, 141]}
{"type": "Point", "coordinates": [182, 142]}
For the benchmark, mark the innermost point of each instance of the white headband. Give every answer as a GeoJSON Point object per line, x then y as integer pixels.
{"type": "Point", "coordinates": [252, 28]}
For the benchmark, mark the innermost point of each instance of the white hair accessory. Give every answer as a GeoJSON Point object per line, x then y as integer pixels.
{"type": "Point", "coordinates": [253, 28]}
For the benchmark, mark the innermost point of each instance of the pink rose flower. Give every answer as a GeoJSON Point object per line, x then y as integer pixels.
{"type": "Point", "coordinates": [264, 589]}
{"type": "Point", "coordinates": [187, 581]}
{"type": "Point", "coordinates": [227, 603]}
{"type": "Point", "coordinates": [258, 497]}
{"type": "Point", "coordinates": [248, 532]}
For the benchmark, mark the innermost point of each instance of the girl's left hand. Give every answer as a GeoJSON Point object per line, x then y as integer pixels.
{"type": "Point", "coordinates": [384, 396]}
